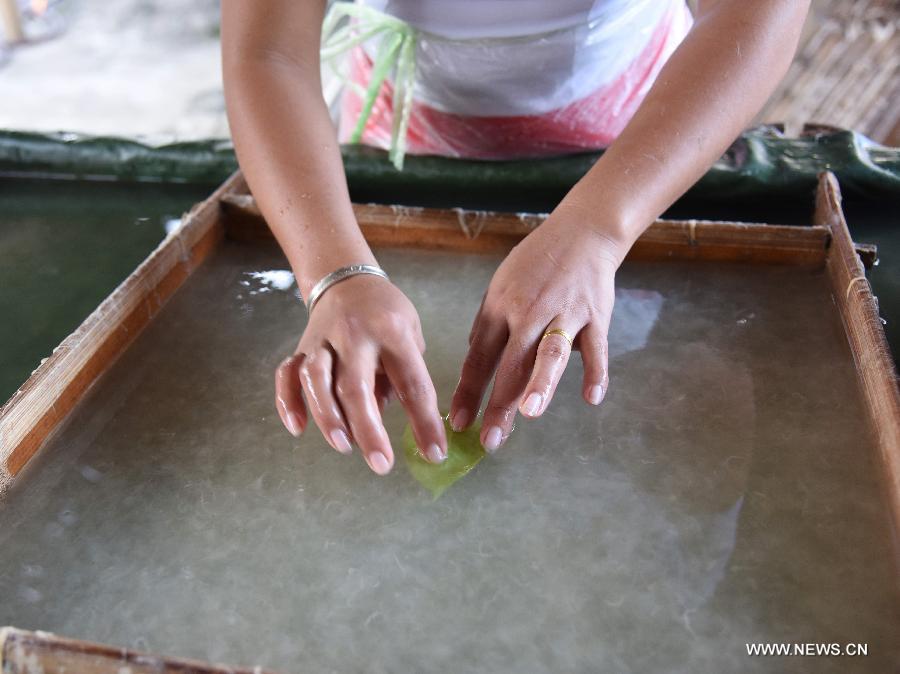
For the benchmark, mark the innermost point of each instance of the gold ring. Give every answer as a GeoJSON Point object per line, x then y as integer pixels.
{"type": "Point", "coordinates": [558, 331]}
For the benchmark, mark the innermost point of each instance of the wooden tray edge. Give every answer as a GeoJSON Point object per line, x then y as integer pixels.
{"type": "Point", "coordinates": [858, 309]}
{"type": "Point", "coordinates": [24, 652]}
{"type": "Point", "coordinates": [485, 232]}
{"type": "Point", "coordinates": [55, 387]}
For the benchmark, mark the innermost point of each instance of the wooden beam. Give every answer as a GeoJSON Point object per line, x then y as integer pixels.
{"type": "Point", "coordinates": [484, 231]}
{"type": "Point", "coordinates": [858, 309]}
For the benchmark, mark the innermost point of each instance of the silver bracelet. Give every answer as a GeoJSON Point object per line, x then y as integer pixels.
{"type": "Point", "coordinates": [339, 275]}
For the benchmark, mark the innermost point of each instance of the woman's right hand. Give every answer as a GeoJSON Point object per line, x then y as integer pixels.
{"type": "Point", "coordinates": [362, 345]}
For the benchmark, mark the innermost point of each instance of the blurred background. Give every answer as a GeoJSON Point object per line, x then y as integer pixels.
{"type": "Point", "coordinates": [149, 70]}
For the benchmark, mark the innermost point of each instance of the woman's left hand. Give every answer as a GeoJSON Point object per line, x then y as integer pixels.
{"type": "Point", "coordinates": [560, 277]}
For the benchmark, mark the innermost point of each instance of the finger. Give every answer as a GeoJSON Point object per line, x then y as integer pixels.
{"type": "Point", "coordinates": [415, 391]}
{"type": "Point", "coordinates": [288, 400]}
{"type": "Point", "coordinates": [513, 373]}
{"type": "Point", "coordinates": [316, 375]}
{"type": "Point", "coordinates": [485, 349]}
{"type": "Point", "coordinates": [355, 388]}
{"type": "Point", "coordinates": [595, 356]}
{"type": "Point", "coordinates": [553, 353]}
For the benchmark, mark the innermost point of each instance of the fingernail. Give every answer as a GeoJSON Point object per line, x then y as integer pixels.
{"type": "Point", "coordinates": [532, 404]}
{"type": "Point", "coordinates": [293, 424]}
{"type": "Point", "coordinates": [459, 420]}
{"type": "Point", "coordinates": [340, 441]}
{"type": "Point", "coordinates": [379, 463]}
{"type": "Point", "coordinates": [434, 454]}
{"type": "Point", "coordinates": [493, 438]}
{"type": "Point", "coordinates": [595, 395]}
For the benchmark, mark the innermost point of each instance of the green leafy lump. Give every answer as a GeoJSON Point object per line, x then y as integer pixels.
{"type": "Point", "coordinates": [464, 451]}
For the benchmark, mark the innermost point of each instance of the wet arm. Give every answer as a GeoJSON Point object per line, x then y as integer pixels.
{"type": "Point", "coordinates": [709, 91]}
{"type": "Point", "coordinates": [283, 135]}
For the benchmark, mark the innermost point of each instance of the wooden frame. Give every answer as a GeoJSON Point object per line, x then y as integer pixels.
{"type": "Point", "coordinates": [39, 408]}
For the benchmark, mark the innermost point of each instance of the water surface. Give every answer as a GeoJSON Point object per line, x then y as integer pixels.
{"type": "Point", "coordinates": [724, 493]}
{"type": "Point", "coordinates": [64, 246]}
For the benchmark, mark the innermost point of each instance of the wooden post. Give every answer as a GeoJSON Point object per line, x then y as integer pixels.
{"type": "Point", "coordinates": [12, 23]}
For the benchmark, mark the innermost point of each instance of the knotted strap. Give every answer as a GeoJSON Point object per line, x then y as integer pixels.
{"type": "Point", "coordinates": [396, 52]}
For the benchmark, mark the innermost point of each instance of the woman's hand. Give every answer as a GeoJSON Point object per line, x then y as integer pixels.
{"type": "Point", "coordinates": [362, 345]}
{"type": "Point", "coordinates": [363, 338]}
{"type": "Point", "coordinates": [560, 277]}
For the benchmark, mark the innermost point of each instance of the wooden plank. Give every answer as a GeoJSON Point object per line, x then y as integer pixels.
{"type": "Point", "coordinates": [484, 231]}
{"type": "Point", "coordinates": [23, 652]}
{"type": "Point", "coordinates": [859, 313]}
{"type": "Point", "coordinates": [53, 390]}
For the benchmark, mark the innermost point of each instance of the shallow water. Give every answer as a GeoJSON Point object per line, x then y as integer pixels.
{"type": "Point", "coordinates": [64, 246]}
{"type": "Point", "coordinates": [724, 493]}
